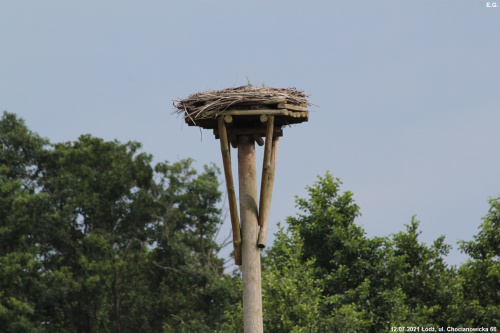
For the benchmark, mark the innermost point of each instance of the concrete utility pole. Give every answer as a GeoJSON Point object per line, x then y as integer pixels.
{"type": "Point", "coordinates": [241, 117]}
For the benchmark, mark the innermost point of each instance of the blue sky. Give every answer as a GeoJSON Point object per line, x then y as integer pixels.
{"type": "Point", "coordinates": [408, 92]}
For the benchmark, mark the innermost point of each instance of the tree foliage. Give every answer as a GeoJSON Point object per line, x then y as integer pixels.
{"type": "Point", "coordinates": [325, 275]}
{"type": "Point", "coordinates": [95, 239]}
{"type": "Point", "coordinates": [480, 275]}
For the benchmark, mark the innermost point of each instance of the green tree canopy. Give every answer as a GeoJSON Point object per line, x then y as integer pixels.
{"type": "Point", "coordinates": [324, 274]}
{"type": "Point", "coordinates": [93, 238]}
{"type": "Point", "coordinates": [480, 275]}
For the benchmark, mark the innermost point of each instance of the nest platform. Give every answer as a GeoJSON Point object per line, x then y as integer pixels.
{"type": "Point", "coordinates": [244, 108]}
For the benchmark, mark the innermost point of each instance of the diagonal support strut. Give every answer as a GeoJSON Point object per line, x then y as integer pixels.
{"type": "Point", "coordinates": [231, 194]}
{"type": "Point", "coordinates": [267, 182]}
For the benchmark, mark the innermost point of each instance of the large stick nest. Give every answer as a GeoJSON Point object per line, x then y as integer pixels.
{"type": "Point", "coordinates": [211, 103]}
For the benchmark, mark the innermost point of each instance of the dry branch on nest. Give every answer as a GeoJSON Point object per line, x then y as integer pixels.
{"type": "Point", "coordinates": [211, 103]}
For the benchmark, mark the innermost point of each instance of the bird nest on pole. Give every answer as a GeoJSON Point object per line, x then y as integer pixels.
{"type": "Point", "coordinates": [241, 117]}
{"type": "Point", "coordinates": [288, 105]}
